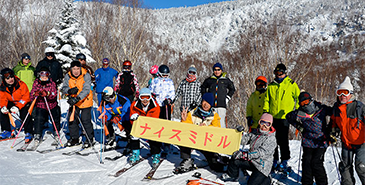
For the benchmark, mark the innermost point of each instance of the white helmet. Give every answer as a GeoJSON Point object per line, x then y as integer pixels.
{"type": "Point", "coordinates": [49, 50]}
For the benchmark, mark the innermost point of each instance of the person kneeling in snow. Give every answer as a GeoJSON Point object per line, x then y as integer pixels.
{"type": "Point", "coordinates": [203, 115]}
{"type": "Point", "coordinates": [258, 158]}
{"type": "Point", "coordinates": [146, 105]}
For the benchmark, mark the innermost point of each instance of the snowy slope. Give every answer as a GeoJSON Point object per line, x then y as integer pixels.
{"type": "Point", "coordinates": [55, 168]}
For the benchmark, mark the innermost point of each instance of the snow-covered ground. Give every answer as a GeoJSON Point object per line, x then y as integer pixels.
{"type": "Point", "coordinates": [32, 167]}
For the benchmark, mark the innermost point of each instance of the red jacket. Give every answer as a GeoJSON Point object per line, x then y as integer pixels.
{"type": "Point", "coordinates": [152, 111]}
{"type": "Point", "coordinates": [19, 96]}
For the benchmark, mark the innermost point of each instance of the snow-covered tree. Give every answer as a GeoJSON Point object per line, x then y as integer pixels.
{"type": "Point", "coordinates": [66, 38]}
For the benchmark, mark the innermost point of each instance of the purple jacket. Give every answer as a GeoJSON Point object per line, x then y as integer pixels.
{"type": "Point", "coordinates": [51, 98]}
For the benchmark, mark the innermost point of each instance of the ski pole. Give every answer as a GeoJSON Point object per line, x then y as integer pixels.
{"type": "Point", "coordinates": [102, 138]}
{"type": "Point", "coordinates": [300, 152]}
{"type": "Point", "coordinates": [54, 125]}
{"type": "Point", "coordinates": [334, 156]}
{"type": "Point", "coordinates": [29, 112]}
{"type": "Point", "coordinates": [87, 137]}
{"type": "Point", "coordinates": [198, 175]}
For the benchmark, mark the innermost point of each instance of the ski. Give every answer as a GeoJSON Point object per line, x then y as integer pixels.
{"type": "Point", "coordinates": [280, 176]}
{"type": "Point", "coordinates": [92, 152]}
{"type": "Point", "coordinates": [7, 139]}
{"type": "Point", "coordinates": [36, 144]}
{"type": "Point", "coordinates": [121, 171]}
{"type": "Point", "coordinates": [114, 158]}
{"type": "Point", "coordinates": [24, 147]}
{"type": "Point", "coordinates": [153, 170]}
{"type": "Point", "coordinates": [73, 152]}
{"type": "Point", "coordinates": [50, 150]}
{"type": "Point", "coordinates": [198, 176]}
{"type": "Point", "coordinates": [175, 173]}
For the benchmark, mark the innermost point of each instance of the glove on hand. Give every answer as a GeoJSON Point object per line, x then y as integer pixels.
{"type": "Point", "coordinates": [167, 101]}
{"type": "Point", "coordinates": [4, 110]}
{"type": "Point", "coordinates": [227, 100]}
{"type": "Point", "coordinates": [116, 119]}
{"type": "Point", "coordinates": [333, 139]}
{"type": "Point", "coordinates": [240, 128]}
{"type": "Point", "coordinates": [335, 132]}
{"type": "Point", "coordinates": [73, 100]}
{"type": "Point", "coordinates": [37, 93]}
{"type": "Point", "coordinates": [43, 93]}
{"type": "Point", "coordinates": [134, 117]}
{"type": "Point", "coordinates": [14, 110]}
{"type": "Point", "coordinates": [73, 91]}
{"type": "Point", "coordinates": [300, 128]}
{"type": "Point", "coordinates": [240, 155]}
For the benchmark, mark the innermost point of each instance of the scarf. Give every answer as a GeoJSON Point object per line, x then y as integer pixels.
{"type": "Point", "coordinates": [190, 78]}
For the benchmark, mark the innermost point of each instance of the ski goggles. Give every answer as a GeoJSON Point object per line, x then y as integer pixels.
{"type": "Point", "coordinates": [144, 97]}
{"type": "Point", "coordinates": [192, 72]}
{"type": "Point", "coordinates": [278, 73]}
{"type": "Point", "coordinates": [8, 76]}
{"type": "Point", "coordinates": [260, 84]}
{"type": "Point", "coordinates": [127, 67]}
{"type": "Point", "coordinates": [344, 92]}
{"type": "Point", "coordinates": [44, 73]}
{"type": "Point", "coordinates": [305, 102]}
{"type": "Point", "coordinates": [26, 57]}
{"type": "Point", "coordinates": [265, 123]}
{"type": "Point", "coordinates": [165, 75]}
{"type": "Point", "coordinates": [49, 54]}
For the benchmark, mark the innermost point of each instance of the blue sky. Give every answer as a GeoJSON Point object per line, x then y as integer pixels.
{"type": "Point", "coordinates": [176, 3]}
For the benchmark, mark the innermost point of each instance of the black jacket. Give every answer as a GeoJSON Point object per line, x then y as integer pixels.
{"type": "Point", "coordinates": [54, 67]}
{"type": "Point", "coordinates": [225, 89]}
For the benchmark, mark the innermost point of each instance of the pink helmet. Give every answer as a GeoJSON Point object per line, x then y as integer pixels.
{"type": "Point", "coordinates": [154, 70]}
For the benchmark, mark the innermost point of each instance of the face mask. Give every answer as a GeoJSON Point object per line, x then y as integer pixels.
{"type": "Point", "coordinates": [264, 132]}
{"type": "Point", "coordinates": [279, 80]}
{"type": "Point", "coordinates": [310, 108]}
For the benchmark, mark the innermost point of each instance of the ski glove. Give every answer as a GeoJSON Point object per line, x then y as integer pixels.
{"type": "Point", "coordinates": [167, 101]}
{"type": "Point", "coordinates": [72, 91]}
{"type": "Point", "coordinates": [134, 117]}
{"type": "Point", "coordinates": [116, 119]}
{"type": "Point", "coordinates": [227, 100]}
{"type": "Point", "coordinates": [4, 110]}
{"type": "Point", "coordinates": [44, 93]}
{"type": "Point", "coordinates": [73, 100]}
{"type": "Point", "coordinates": [240, 128]}
{"type": "Point", "coordinates": [14, 110]}
{"type": "Point", "coordinates": [333, 139]}
{"type": "Point", "coordinates": [240, 155]}
{"type": "Point", "coordinates": [300, 128]}
{"type": "Point", "coordinates": [37, 93]}
{"type": "Point", "coordinates": [336, 132]}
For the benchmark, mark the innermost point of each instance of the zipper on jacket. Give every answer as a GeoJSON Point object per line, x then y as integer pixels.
{"type": "Point", "coordinates": [283, 95]}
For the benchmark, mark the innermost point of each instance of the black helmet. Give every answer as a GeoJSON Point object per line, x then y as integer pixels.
{"type": "Point", "coordinates": [80, 56]}
{"type": "Point", "coordinates": [280, 67]}
{"type": "Point", "coordinates": [6, 72]}
{"type": "Point", "coordinates": [163, 70]}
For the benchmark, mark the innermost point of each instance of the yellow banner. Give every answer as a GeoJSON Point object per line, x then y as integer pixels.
{"type": "Point", "coordinates": [213, 139]}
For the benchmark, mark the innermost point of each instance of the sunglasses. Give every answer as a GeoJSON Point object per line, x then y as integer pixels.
{"type": "Point", "coordinates": [145, 97]}
{"type": "Point", "coordinates": [49, 54]}
{"type": "Point", "coordinates": [344, 92]}
{"type": "Point", "coordinates": [8, 76]}
{"type": "Point", "coordinates": [278, 73]}
{"type": "Point", "coordinates": [265, 123]}
{"type": "Point", "coordinates": [217, 69]}
{"type": "Point", "coordinates": [44, 73]}
{"type": "Point", "coordinates": [192, 72]}
{"type": "Point", "coordinates": [127, 67]}
{"type": "Point", "coordinates": [305, 102]}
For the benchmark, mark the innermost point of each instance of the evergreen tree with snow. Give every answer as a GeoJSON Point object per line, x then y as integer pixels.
{"type": "Point", "coordinates": [66, 38]}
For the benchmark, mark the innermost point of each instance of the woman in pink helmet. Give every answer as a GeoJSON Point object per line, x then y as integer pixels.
{"type": "Point", "coordinates": [153, 72]}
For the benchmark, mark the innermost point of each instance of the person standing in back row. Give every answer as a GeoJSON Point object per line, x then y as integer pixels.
{"type": "Point", "coordinates": [255, 103]}
{"type": "Point", "coordinates": [104, 78]}
{"type": "Point", "coordinates": [25, 71]}
{"type": "Point", "coordinates": [222, 88]}
{"type": "Point", "coordinates": [52, 64]}
{"type": "Point", "coordinates": [82, 59]}
{"type": "Point", "coordinates": [281, 98]}
{"type": "Point", "coordinates": [127, 83]}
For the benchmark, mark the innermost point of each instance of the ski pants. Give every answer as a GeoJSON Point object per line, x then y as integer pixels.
{"type": "Point", "coordinates": [86, 124]}
{"type": "Point", "coordinates": [222, 114]}
{"type": "Point", "coordinates": [133, 143]}
{"type": "Point", "coordinates": [41, 117]}
{"type": "Point", "coordinates": [5, 122]}
{"type": "Point", "coordinates": [282, 139]}
{"type": "Point", "coordinates": [346, 165]}
{"type": "Point", "coordinates": [165, 113]}
{"type": "Point", "coordinates": [211, 157]}
{"type": "Point", "coordinates": [256, 178]}
{"type": "Point", "coordinates": [312, 164]}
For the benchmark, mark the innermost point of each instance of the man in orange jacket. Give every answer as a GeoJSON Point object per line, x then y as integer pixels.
{"type": "Point", "coordinates": [348, 117]}
{"type": "Point", "coordinates": [14, 98]}
{"type": "Point", "coordinates": [146, 105]}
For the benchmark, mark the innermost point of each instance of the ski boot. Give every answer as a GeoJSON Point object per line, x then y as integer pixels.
{"type": "Point", "coordinates": [185, 166]}
{"type": "Point", "coordinates": [72, 142]}
{"type": "Point", "coordinates": [274, 166]}
{"type": "Point", "coordinates": [134, 156]}
{"type": "Point", "coordinates": [226, 178]}
{"type": "Point", "coordinates": [155, 160]}
{"type": "Point", "coordinates": [166, 150]}
{"type": "Point", "coordinates": [28, 138]}
{"type": "Point", "coordinates": [87, 144]}
{"type": "Point", "coordinates": [283, 166]}
{"type": "Point", "coordinates": [5, 134]}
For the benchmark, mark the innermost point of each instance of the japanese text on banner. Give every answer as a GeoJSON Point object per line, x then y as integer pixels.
{"type": "Point", "coordinates": [213, 139]}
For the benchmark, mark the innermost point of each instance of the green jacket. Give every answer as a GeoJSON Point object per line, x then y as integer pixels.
{"type": "Point", "coordinates": [25, 73]}
{"type": "Point", "coordinates": [254, 108]}
{"type": "Point", "coordinates": [281, 98]}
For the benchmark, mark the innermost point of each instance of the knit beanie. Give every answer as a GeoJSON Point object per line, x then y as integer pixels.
{"type": "Point", "coordinates": [208, 97]}
{"type": "Point", "coordinates": [304, 96]}
{"type": "Point", "coordinates": [218, 65]}
{"type": "Point", "coordinates": [192, 68]}
{"type": "Point", "coordinates": [346, 84]}
{"type": "Point", "coordinates": [267, 117]}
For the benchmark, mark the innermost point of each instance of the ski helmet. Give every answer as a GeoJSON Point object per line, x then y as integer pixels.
{"type": "Point", "coordinates": [108, 93]}
{"type": "Point", "coordinates": [154, 70]}
{"type": "Point", "coordinates": [280, 67]}
{"type": "Point", "coordinates": [6, 72]}
{"type": "Point", "coordinates": [163, 70]}
{"type": "Point", "coordinates": [80, 56]}
{"type": "Point", "coordinates": [261, 78]}
{"type": "Point", "coordinates": [49, 50]}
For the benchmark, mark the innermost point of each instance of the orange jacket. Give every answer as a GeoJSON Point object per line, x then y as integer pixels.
{"type": "Point", "coordinates": [19, 96]}
{"type": "Point", "coordinates": [346, 117]}
{"type": "Point", "coordinates": [152, 111]}
{"type": "Point", "coordinates": [83, 83]}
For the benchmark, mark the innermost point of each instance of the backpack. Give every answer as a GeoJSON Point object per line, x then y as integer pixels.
{"type": "Point", "coordinates": [126, 85]}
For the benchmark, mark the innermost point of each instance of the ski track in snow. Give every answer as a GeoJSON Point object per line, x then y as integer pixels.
{"type": "Point", "coordinates": [31, 167]}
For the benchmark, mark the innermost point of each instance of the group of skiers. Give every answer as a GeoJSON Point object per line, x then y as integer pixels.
{"type": "Point", "coordinates": [270, 110]}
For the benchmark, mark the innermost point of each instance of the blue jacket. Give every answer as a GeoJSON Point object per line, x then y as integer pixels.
{"type": "Point", "coordinates": [104, 77]}
{"type": "Point", "coordinates": [121, 107]}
